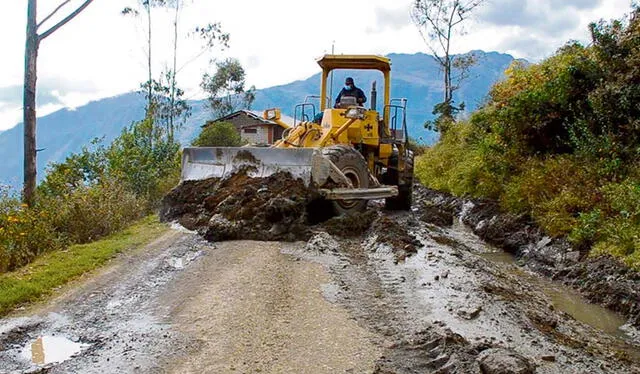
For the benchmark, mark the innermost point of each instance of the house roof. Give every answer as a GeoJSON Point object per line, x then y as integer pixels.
{"type": "Point", "coordinates": [256, 115]}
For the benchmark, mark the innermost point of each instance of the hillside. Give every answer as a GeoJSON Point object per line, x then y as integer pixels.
{"type": "Point", "coordinates": [415, 77]}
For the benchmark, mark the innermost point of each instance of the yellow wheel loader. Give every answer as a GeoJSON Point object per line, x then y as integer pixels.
{"type": "Point", "coordinates": [350, 154]}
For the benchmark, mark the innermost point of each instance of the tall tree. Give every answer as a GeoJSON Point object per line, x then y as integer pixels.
{"type": "Point", "coordinates": [146, 6]}
{"type": "Point", "coordinates": [226, 88]}
{"type": "Point", "coordinates": [439, 21]}
{"type": "Point", "coordinates": [32, 45]}
{"type": "Point", "coordinates": [165, 102]}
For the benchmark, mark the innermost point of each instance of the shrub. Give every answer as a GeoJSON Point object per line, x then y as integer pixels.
{"type": "Point", "coordinates": [554, 191]}
{"type": "Point", "coordinates": [559, 141]}
{"type": "Point", "coordinates": [24, 233]}
{"type": "Point", "coordinates": [465, 164]}
{"type": "Point", "coordinates": [218, 134]}
{"type": "Point", "coordinates": [144, 160]}
{"type": "Point", "coordinates": [92, 212]}
{"type": "Point", "coordinates": [90, 195]}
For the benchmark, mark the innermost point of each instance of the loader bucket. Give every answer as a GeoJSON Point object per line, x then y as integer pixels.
{"type": "Point", "coordinates": [200, 163]}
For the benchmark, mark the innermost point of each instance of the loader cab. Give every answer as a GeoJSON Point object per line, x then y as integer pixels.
{"type": "Point", "coordinates": [377, 88]}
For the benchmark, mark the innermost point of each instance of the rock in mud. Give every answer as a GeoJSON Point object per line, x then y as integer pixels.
{"type": "Point", "coordinates": [350, 226]}
{"type": "Point", "coordinates": [504, 361]}
{"type": "Point", "coordinates": [322, 242]}
{"type": "Point", "coordinates": [469, 312]}
{"type": "Point", "coordinates": [395, 235]}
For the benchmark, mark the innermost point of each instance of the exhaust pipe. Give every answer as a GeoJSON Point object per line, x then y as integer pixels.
{"type": "Point", "coordinates": [374, 95]}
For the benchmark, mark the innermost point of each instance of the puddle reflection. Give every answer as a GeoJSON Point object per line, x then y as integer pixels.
{"type": "Point", "coordinates": [51, 349]}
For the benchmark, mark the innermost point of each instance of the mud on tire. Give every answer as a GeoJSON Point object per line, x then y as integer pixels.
{"type": "Point", "coordinates": [354, 166]}
{"type": "Point", "coordinates": [404, 181]}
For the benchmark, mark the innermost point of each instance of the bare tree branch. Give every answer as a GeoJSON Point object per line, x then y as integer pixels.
{"type": "Point", "coordinates": [68, 18]}
{"type": "Point", "coordinates": [54, 12]}
{"type": "Point", "coordinates": [437, 22]}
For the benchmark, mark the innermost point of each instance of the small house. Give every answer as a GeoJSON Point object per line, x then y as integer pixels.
{"type": "Point", "coordinates": [254, 128]}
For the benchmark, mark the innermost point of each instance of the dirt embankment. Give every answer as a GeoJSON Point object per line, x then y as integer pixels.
{"type": "Point", "coordinates": [602, 280]}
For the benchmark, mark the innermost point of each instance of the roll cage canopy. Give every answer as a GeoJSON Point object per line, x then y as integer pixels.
{"type": "Point", "coordinates": [369, 62]}
{"type": "Point", "coordinates": [356, 62]}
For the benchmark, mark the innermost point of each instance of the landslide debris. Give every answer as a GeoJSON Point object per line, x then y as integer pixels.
{"type": "Point", "coordinates": [275, 208]}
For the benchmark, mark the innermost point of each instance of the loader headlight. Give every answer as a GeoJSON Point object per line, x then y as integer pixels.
{"type": "Point", "coordinates": [357, 113]}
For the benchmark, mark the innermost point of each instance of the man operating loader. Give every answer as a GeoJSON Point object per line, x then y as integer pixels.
{"type": "Point", "coordinates": [351, 90]}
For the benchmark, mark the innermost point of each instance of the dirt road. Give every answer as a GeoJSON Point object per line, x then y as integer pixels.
{"type": "Point", "coordinates": [254, 309]}
{"type": "Point", "coordinates": [330, 305]}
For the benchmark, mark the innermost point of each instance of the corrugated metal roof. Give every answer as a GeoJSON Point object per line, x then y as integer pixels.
{"type": "Point", "coordinates": [254, 114]}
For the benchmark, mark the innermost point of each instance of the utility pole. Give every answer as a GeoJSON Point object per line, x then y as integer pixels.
{"type": "Point", "coordinates": [29, 108]}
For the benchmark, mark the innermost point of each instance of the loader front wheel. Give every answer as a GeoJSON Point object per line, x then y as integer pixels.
{"type": "Point", "coordinates": [354, 167]}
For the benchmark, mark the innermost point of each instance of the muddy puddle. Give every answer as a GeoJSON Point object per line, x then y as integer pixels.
{"type": "Point", "coordinates": [562, 298]}
{"type": "Point", "coordinates": [51, 349]}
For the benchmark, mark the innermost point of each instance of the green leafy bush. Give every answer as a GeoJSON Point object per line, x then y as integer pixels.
{"type": "Point", "coordinates": [218, 134]}
{"type": "Point", "coordinates": [24, 233]}
{"type": "Point", "coordinates": [558, 141]}
{"type": "Point", "coordinates": [91, 194]}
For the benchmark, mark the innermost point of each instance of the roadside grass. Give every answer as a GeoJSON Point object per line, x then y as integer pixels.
{"type": "Point", "coordinates": [54, 269]}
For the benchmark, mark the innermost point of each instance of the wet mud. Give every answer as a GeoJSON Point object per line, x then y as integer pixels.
{"type": "Point", "coordinates": [602, 280]}
{"type": "Point", "coordinates": [448, 309]}
{"type": "Point", "coordinates": [273, 208]}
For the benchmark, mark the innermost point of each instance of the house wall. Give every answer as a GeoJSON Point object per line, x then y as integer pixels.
{"type": "Point", "coordinates": [261, 134]}
{"type": "Point", "coordinates": [251, 129]}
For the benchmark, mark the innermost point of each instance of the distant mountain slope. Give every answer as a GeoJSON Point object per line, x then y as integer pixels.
{"type": "Point", "coordinates": [415, 77]}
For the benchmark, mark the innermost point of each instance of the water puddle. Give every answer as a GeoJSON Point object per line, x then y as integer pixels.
{"type": "Point", "coordinates": [180, 262]}
{"type": "Point", "coordinates": [51, 349]}
{"type": "Point", "coordinates": [565, 299]}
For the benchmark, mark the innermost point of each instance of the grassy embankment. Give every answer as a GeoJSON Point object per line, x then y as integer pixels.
{"type": "Point", "coordinates": [54, 269]}
{"type": "Point", "coordinates": [558, 141]}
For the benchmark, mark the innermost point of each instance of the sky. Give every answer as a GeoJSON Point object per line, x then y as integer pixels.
{"type": "Point", "coordinates": [102, 53]}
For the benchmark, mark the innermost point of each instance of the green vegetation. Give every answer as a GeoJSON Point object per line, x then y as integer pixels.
{"type": "Point", "coordinates": [560, 142]}
{"type": "Point", "coordinates": [54, 269]}
{"type": "Point", "coordinates": [92, 194]}
{"type": "Point", "coordinates": [218, 134]}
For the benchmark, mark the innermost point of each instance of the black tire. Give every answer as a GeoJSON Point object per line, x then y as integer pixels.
{"type": "Point", "coordinates": [405, 187]}
{"type": "Point", "coordinates": [354, 166]}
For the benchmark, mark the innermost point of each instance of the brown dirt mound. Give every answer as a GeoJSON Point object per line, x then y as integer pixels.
{"type": "Point", "coordinates": [394, 234]}
{"type": "Point", "coordinates": [240, 207]}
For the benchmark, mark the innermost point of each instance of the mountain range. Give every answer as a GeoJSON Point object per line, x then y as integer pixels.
{"type": "Point", "coordinates": [416, 77]}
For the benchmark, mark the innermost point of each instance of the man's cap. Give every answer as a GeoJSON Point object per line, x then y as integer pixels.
{"type": "Point", "coordinates": [348, 80]}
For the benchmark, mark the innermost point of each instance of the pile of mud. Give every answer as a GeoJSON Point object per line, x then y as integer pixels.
{"type": "Point", "coordinates": [239, 207]}
{"type": "Point", "coordinates": [275, 208]}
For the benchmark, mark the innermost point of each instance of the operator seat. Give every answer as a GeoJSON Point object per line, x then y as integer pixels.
{"type": "Point", "coordinates": [347, 101]}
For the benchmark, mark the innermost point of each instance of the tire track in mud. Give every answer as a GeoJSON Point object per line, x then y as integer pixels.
{"type": "Point", "coordinates": [446, 309]}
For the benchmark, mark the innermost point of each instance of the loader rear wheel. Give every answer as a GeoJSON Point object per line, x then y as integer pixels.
{"type": "Point", "coordinates": [405, 186]}
{"type": "Point", "coordinates": [354, 167]}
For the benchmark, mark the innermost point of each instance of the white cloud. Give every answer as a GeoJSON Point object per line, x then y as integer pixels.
{"type": "Point", "coordinates": [102, 53]}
